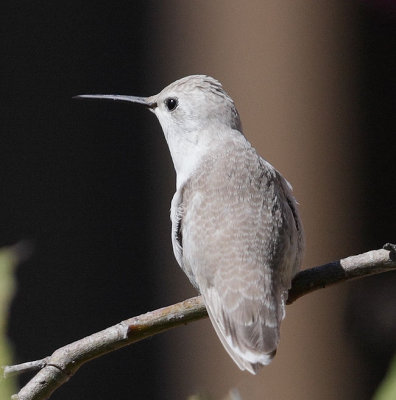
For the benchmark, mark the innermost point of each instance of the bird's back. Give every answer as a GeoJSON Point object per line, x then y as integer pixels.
{"type": "Point", "coordinates": [239, 239]}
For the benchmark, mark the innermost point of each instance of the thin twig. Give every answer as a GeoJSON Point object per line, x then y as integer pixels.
{"type": "Point", "coordinates": [12, 370]}
{"type": "Point", "coordinates": [64, 362]}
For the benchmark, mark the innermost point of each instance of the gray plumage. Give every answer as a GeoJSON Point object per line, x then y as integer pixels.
{"type": "Point", "coordinates": [236, 232]}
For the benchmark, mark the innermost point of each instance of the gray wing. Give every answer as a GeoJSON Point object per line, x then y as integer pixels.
{"type": "Point", "coordinates": [242, 244]}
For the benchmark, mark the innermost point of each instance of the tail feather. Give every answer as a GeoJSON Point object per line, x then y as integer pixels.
{"type": "Point", "coordinates": [251, 344]}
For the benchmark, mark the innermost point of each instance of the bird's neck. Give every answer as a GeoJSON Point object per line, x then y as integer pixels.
{"type": "Point", "coordinates": [187, 152]}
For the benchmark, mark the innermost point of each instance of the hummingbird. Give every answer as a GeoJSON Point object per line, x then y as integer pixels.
{"type": "Point", "coordinates": [236, 230]}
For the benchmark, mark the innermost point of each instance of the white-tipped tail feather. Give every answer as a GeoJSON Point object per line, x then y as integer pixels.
{"type": "Point", "coordinates": [251, 345]}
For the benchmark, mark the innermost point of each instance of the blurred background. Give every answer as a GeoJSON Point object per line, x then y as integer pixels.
{"type": "Point", "coordinates": [89, 184]}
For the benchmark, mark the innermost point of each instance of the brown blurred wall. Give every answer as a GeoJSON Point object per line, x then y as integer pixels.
{"type": "Point", "coordinates": [289, 67]}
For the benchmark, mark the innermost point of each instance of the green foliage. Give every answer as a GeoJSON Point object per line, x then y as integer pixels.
{"type": "Point", "coordinates": [8, 261]}
{"type": "Point", "coordinates": [387, 389]}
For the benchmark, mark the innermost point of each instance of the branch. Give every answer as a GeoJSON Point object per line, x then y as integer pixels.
{"type": "Point", "coordinates": [57, 369]}
{"type": "Point", "coordinates": [370, 263]}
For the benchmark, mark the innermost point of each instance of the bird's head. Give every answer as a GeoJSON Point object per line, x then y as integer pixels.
{"type": "Point", "coordinates": [188, 104]}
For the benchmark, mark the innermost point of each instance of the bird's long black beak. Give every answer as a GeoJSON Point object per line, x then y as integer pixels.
{"type": "Point", "coordinates": [146, 101]}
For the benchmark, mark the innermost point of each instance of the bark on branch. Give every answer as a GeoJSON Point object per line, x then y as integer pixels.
{"type": "Point", "coordinates": [57, 369]}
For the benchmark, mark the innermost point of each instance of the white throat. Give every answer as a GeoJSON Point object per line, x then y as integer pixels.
{"type": "Point", "coordinates": [187, 151]}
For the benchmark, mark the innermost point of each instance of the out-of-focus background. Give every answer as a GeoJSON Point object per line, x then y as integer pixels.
{"type": "Point", "coordinates": [89, 184]}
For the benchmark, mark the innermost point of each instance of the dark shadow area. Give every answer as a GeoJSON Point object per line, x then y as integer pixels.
{"type": "Point", "coordinates": [371, 315]}
{"type": "Point", "coordinates": [76, 181]}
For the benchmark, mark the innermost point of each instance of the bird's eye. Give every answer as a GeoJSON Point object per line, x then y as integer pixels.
{"type": "Point", "coordinates": [171, 103]}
